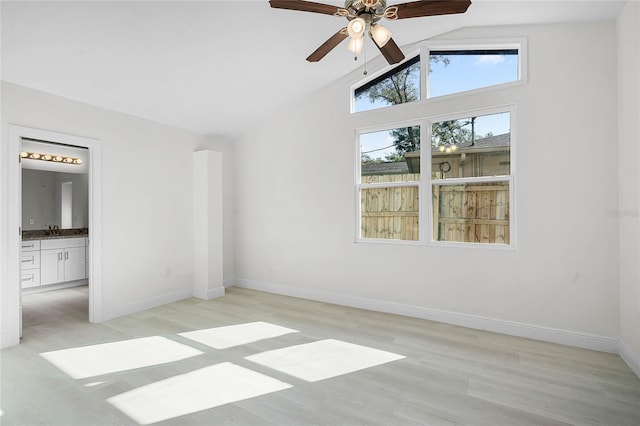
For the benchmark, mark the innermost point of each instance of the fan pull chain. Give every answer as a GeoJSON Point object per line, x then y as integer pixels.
{"type": "Point", "coordinates": [364, 48]}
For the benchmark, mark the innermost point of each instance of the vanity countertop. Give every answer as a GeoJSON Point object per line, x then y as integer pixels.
{"type": "Point", "coordinates": [46, 235]}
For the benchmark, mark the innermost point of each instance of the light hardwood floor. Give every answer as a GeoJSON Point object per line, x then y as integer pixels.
{"type": "Point", "coordinates": [449, 375]}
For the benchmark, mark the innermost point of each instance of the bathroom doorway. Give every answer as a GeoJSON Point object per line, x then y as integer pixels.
{"type": "Point", "coordinates": [55, 228]}
{"type": "Point", "coordinates": [45, 149]}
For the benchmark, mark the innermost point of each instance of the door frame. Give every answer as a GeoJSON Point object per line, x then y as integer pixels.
{"type": "Point", "coordinates": [14, 219]}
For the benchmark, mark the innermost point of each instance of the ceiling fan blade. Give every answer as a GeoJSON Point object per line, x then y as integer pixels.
{"type": "Point", "coordinates": [390, 51]}
{"type": "Point", "coordinates": [416, 9]}
{"type": "Point", "coordinates": [304, 6]}
{"type": "Point", "coordinates": [328, 45]}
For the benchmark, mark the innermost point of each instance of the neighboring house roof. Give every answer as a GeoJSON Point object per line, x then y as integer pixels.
{"type": "Point", "coordinates": [488, 142]}
{"type": "Point", "coordinates": [402, 167]}
{"type": "Point", "coordinates": [385, 168]}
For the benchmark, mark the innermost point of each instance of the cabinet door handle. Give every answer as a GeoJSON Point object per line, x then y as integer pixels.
{"type": "Point", "coordinates": [27, 260]}
{"type": "Point", "coordinates": [28, 279]}
{"type": "Point", "coordinates": [66, 255]}
{"type": "Point", "coordinates": [59, 256]}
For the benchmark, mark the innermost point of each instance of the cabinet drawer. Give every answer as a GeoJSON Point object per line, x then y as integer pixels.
{"type": "Point", "coordinates": [57, 243]}
{"type": "Point", "coordinates": [30, 278]}
{"type": "Point", "coordinates": [31, 245]}
{"type": "Point", "coordinates": [30, 260]}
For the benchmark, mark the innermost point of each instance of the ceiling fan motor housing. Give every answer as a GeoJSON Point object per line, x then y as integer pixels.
{"type": "Point", "coordinates": [370, 10]}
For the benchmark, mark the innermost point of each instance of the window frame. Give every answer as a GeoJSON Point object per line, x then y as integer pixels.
{"type": "Point", "coordinates": [426, 183]}
{"type": "Point", "coordinates": [510, 178]}
{"type": "Point", "coordinates": [414, 183]}
{"type": "Point", "coordinates": [424, 51]}
{"type": "Point", "coordinates": [416, 113]}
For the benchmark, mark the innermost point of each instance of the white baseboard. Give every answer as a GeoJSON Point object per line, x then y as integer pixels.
{"type": "Point", "coordinates": [59, 286]}
{"type": "Point", "coordinates": [547, 334]}
{"type": "Point", "coordinates": [229, 282]}
{"type": "Point", "coordinates": [632, 360]}
{"type": "Point", "coordinates": [209, 294]}
{"type": "Point", "coordinates": [142, 305]}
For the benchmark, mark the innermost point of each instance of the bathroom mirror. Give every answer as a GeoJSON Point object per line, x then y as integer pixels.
{"type": "Point", "coordinates": [53, 198]}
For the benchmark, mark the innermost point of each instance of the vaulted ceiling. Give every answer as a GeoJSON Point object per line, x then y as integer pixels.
{"type": "Point", "coordinates": [213, 67]}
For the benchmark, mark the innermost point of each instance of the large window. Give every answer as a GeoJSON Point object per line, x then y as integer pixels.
{"type": "Point", "coordinates": [443, 177]}
{"type": "Point", "coordinates": [465, 173]}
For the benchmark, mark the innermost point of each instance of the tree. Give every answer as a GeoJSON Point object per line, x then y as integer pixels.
{"type": "Point", "coordinates": [403, 87]}
{"type": "Point", "coordinates": [446, 133]}
{"type": "Point", "coordinates": [406, 139]}
{"type": "Point", "coordinates": [398, 88]}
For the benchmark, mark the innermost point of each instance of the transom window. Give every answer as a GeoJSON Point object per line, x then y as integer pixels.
{"type": "Point", "coordinates": [400, 85]}
{"type": "Point", "coordinates": [455, 71]}
{"type": "Point", "coordinates": [450, 68]}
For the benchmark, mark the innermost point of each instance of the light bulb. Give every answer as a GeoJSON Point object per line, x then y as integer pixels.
{"type": "Point", "coordinates": [380, 35]}
{"type": "Point", "coordinates": [355, 45]}
{"type": "Point", "coordinates": [356, 27]}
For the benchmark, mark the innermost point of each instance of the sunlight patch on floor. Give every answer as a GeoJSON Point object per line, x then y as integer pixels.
{"type": "Point", "coordinates": [237, 335]}
{"type": "Point", "coordinates": [106, 358]}
{"type": "Point", "coordinates": [195, 391]}
{"type": "Point", "coordinates": [323, 359]}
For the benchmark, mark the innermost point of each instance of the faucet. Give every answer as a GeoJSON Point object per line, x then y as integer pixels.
{"type": "Point", "coordinates": [55, 230]}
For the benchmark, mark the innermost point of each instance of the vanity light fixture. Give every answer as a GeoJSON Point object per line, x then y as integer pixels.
{"type": "Point", "coordinates": [49, 157]}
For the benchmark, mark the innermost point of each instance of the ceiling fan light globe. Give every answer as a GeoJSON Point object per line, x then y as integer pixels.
{"type": "Point", "coordinates": [380, 34]}
{"type": "Point", "coordinates": [356, 28]}
{"type": "Point", "coordinates": [355, 45]}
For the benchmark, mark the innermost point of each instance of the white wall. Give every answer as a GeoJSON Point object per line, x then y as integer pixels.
{"type": "Point", "coordinates": [147, 196]}
{"type": "Point", "coordinates": [629, 158]}
{"type": "Point", "coordinates": [295, 204]}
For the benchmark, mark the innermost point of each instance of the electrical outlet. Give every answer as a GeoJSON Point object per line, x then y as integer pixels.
{"type": "Point", "coordinates": [31, 221]}
{"type": "Point", "coordinates": [167, 271]}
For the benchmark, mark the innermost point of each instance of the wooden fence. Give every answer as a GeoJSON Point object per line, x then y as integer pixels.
{"type": "Point", "coordinates": [477, 213]}
{"type": "Point", "coordinates": [390, 213]}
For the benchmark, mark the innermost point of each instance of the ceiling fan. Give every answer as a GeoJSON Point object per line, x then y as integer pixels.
{"type": "Point", "coordinates": [363, 17]}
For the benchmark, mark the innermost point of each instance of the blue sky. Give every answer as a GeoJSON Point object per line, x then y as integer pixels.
{"type": "Point", "coordinates": [468, 72]}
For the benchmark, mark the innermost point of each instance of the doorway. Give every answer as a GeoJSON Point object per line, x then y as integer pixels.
{"type": "Point", "coordinates": [17, 135]}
